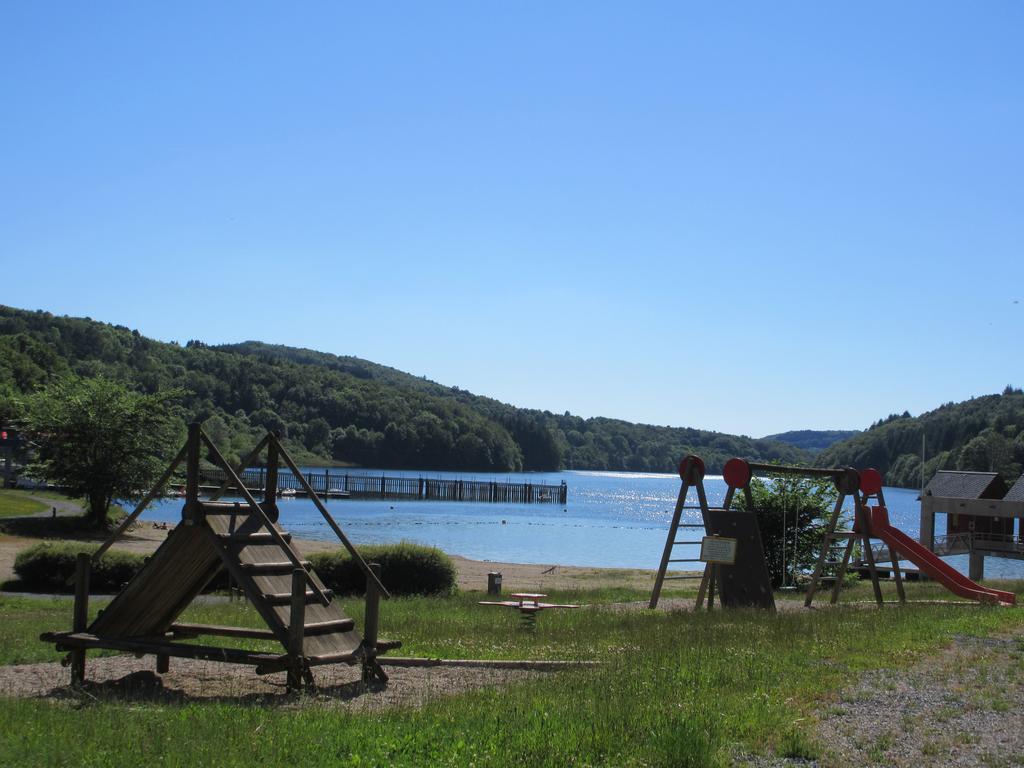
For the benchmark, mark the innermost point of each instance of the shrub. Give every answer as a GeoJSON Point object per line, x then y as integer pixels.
{"type": "Point", "coordinates": [797, 508]}
{"type": "Point", "coordinates": [406, 569]}
{"type": "Point", "coordinates": [49, 566]}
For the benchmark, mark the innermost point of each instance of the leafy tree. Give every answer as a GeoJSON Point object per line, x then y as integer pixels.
{"type": "Point", "coordinates": [100, 440]}
{"type": "Point", "coordinates": [794, 508]}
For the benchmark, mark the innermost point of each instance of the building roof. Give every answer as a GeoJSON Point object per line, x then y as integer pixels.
{"type": "Point", "coordinates": [1017, 492]}
{"type": "Point", "coordinates": [966, 485]}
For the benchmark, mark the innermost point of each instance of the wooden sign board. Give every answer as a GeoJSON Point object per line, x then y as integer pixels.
{"type": "Point", "coordinates": [745, 583]}
{"type": "Point", "coordinates": [716, 549]}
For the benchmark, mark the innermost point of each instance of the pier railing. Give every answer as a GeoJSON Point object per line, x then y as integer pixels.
{"type": "Point", "coordinates": [338, 483]}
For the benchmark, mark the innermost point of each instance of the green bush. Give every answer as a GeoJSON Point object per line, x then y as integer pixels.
{"type": "Point", "coordinates": [49, 566]}
{"type": "Point", "coordinates": [406, 569]}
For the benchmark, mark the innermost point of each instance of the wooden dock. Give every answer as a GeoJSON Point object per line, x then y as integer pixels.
{"type": "Point", "coordinates": [341, 484]}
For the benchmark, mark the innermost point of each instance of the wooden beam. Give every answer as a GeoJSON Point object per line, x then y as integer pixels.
{"type": "Point", "coordinates": [330, 521]}
{"type": "Point", "coordinates": [141, 505]}
{"type": "Point", "coordinates": [223, 487]}
{"type": "Point", "coordinates": [976, 507]}
{"type": "Point", "coordinates": [158, 647]}
{"type": "Point", "coordinates": [402, 661]}
{"type": "Point", "coordinates": [782, 469]}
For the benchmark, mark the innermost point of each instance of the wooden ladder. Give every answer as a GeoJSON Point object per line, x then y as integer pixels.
{"type": "Point", "coordinates": [841, 543]}
{"type": "Point", "coordinates": [691, 472]}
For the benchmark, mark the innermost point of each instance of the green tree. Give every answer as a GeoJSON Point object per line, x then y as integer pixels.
{"type": "Point", "coordinates": [794, 509]}
{"type": "Point", "coordinates": [100, 440]}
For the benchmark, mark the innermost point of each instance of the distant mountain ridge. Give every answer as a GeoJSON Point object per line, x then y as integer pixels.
{"type": "Point", "coordinates": [340, 408]}
{"type": "Point", "coordinates": [813, 440]}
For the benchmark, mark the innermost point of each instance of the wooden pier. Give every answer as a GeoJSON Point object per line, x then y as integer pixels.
{"type": "Point", "coordinates": [342, 484]}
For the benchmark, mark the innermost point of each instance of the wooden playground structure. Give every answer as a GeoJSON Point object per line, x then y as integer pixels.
{"type": "Point", "coordinates": [745, 582]}
{"type": "Point", "coordinates": [244, 539]}
{"type": "Point", "coordinates": [742, 583]}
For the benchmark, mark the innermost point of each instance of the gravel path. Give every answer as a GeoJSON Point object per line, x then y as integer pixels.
{"type": "Point", "coordinates": [125, 678]}
{"type": "Point", "coordinates": [962, 707]}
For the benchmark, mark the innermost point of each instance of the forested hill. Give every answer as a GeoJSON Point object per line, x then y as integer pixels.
{"type": "Point", "coordinates": [813, 440]}
{"type": "Point", "coordinates": [345, 409]}
{"type": "Point", "coordinates": [983, 434]}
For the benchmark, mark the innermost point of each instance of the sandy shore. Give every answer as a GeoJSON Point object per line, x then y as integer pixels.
{"type": "Point", "coordinates": [472, 574]}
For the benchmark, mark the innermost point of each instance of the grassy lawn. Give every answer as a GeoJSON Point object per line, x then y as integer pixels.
{"type": "Point", "coordinates": [675, 689]}
{"type": "Point", "coordinates": [14, 503]}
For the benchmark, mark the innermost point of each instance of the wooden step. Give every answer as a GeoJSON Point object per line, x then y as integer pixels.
{"type": "Point", "coordinates": [329, 627]}
{"type": "Point", "coordinates": [259, 537]}
{"type": "Point", "coordinates": [283, 566]}
{"type": "Point", "coordinates": [185, 629]}
{"type": "Point", "coordinates": [224, 507]}
{"type": "Point", "coordinates": [285, 598]}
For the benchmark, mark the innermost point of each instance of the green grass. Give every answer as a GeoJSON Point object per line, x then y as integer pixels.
{"type": "Point", "coordinates": [14, 503]}
{"type": "Point", "coordinates": [675, 689]}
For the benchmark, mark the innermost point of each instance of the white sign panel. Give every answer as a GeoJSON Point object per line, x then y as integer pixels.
{"type": "Point", "coordinates": [716, 549]}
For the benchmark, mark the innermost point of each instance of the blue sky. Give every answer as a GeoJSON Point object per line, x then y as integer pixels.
{"type": "Point", "coordinates": [744, 217]}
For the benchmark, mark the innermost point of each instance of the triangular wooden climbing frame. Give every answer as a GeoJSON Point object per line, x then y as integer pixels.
{"type": "Point", "coordinates": [244, 539]}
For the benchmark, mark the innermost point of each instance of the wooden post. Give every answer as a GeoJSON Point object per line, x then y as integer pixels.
{"type": "Point", "coordinates": [371, 624]}
{"type": "Point", "coordinates": [927, 537]}
{"type": "Point", "coordinates": [80, 619]}
{"type": "Point", "coordinates": [192, 475]}
{"type": "Point", "coordinates": [163, 663]}
{"type": "Point", "coordinates": [711, 585]}
{"type": "Point", "coordinates": [270, 483]}
{"type": "Point", "coordinates": [372, 609]}
{"type": "Point", "coordinates": [296, 630]}
{"type": "Point", "coordinates": [975, 565]}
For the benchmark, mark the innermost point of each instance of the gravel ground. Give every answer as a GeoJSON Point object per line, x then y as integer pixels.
{"type": "Point", "coordinates": [962, 707]}
{"type": "Point", "coordinates": [125, 678]}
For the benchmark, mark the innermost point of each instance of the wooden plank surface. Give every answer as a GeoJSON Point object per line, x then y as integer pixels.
{"type": "Point", "coordinates": [178, 571]}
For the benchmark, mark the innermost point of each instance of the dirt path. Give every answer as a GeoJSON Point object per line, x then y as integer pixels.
{"type": "Point", "coordinates": [64, 507]}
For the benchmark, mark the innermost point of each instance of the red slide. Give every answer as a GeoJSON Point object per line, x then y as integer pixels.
{"type": "Point", "coordinates": [933, 565]}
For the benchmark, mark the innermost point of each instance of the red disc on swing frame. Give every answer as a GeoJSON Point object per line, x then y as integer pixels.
{"type": "Point", "coordinates": [687, 462]}
{"type": "Point", "coordinates": [870, 481]}
{"type": "Point", "coordinates": [737, 473]}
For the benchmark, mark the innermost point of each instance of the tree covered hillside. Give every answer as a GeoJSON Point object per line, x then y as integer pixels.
{"type": "Point", "coordinates": [983, 434]}
{"type": "Point", "coordinates": [342, 408]}
{"type": "Point", "coordinates": [813, 440]}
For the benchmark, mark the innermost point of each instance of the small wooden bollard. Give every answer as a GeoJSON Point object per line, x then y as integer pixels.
{"type": "Point", "coordinates": [494, 583]}
{"type": "Point", "coordinates": [296, 630]}
{"type": "Point", "coordinates": [80, 619]}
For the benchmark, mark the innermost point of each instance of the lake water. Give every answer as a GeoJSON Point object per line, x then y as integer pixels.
{"type": "Point", "coordinates": [612, 519]}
